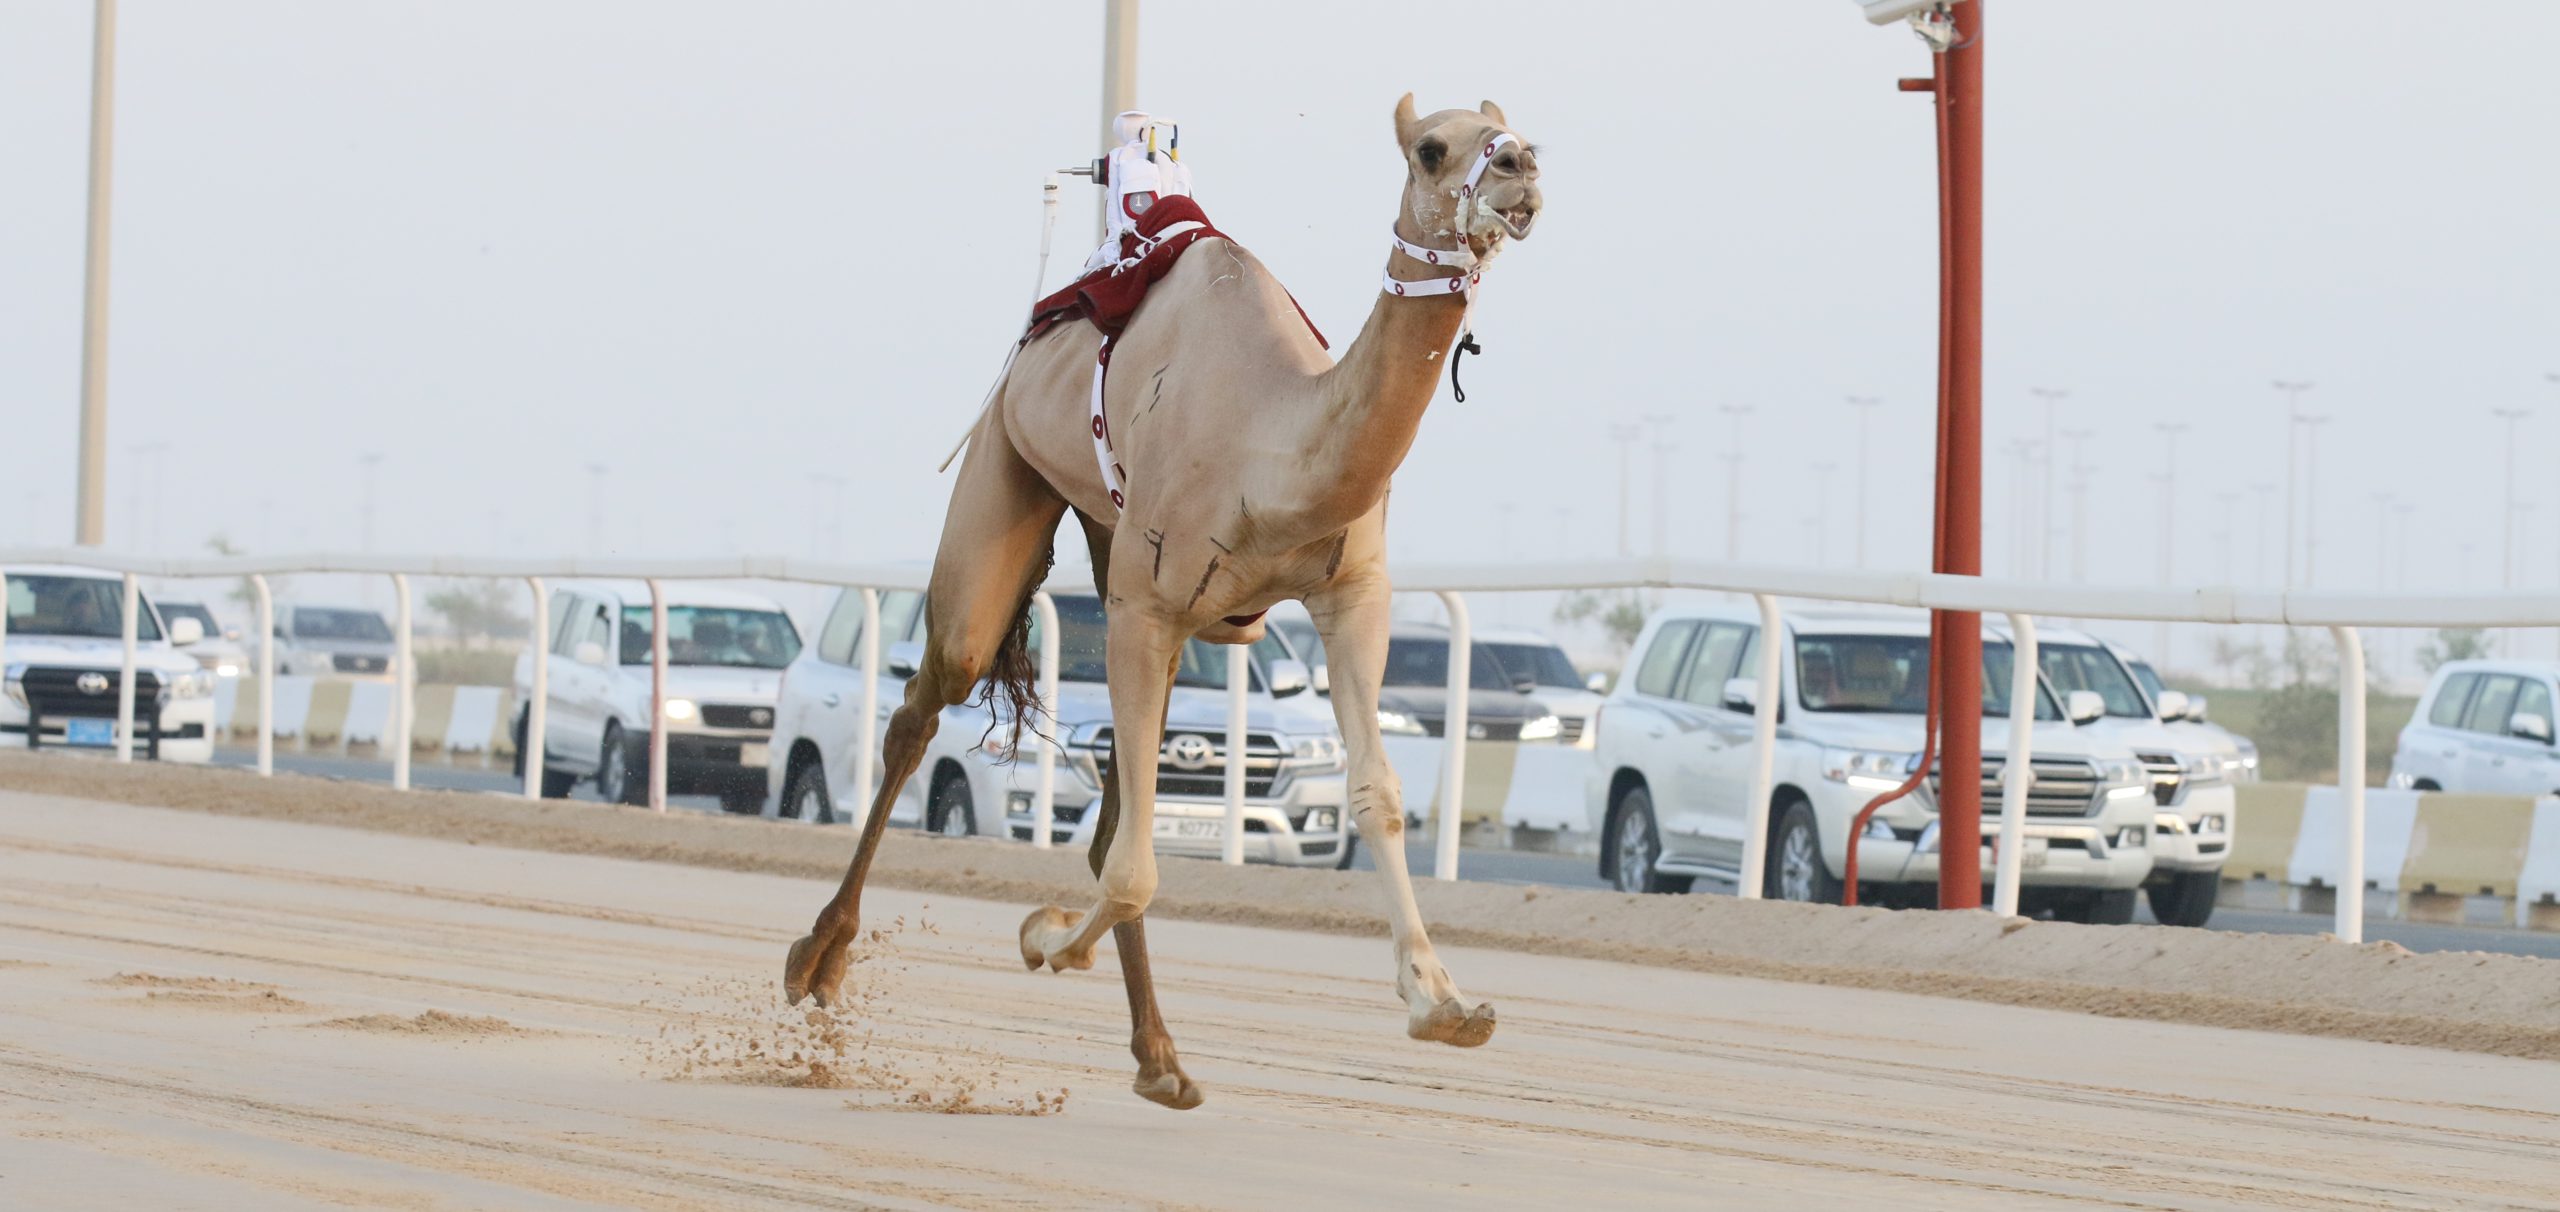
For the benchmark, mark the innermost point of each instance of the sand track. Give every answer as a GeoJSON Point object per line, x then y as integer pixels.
{"type": "Point", "coordinates": [1611, 1084]}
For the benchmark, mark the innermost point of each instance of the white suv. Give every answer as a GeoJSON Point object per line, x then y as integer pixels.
{"type": "Point", "coordinates": [2192, 769]}
{"type": "Point", "coordinates": [1533, 658]}
{"type": "Point", "coordinates": [970, 782]}
{"type": "Point", "coordinates": [332, 641]}
{"type": "Point", "coordinates": [2482, 727]}
{"type": "Point", "coordinates": [1671, 774]}
{"type": "Point", "coordinates": [64, 653]}
{"type": "Point", "coordinates": [725, 655]}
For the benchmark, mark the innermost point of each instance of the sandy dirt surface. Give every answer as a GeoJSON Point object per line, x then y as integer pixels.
{"type": "Point", "coordinates": [483, 1027]}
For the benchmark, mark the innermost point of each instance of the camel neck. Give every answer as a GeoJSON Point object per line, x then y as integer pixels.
{"type": "Point", "coordinates": [1373, 399]}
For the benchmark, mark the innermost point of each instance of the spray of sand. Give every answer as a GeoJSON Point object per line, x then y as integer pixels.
{"type": "Point", "coordinates": [737, 1030]}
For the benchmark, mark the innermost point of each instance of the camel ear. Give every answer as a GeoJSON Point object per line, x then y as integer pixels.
{"type": "Point", "coordinates": [1494, 112]}
{"type": "Point", "coordinates": [1406, 120]}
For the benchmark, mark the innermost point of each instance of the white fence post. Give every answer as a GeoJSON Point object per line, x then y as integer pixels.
{"type": "Point", "coordinates": [1044, 800]}
{"type": "Point", "coordinates": [1239, 679]}
{"type": "Point", "coordinates": [1453, 734]}
{"type": "Point", "coordinates": [266, 674]}
{"type": "Point", "coordinates": [2017, 768]}
{"type": "Point", "coordinates": [2351, 780]}
{"type": "Point", "coordinates": [657, 696]}
{"type": "Point", "coordinates": [124, 685]}
{"type": "Point", "coordinates": [403, 681]}
{"type": "Point", "coordinates": [1765, 701]}
{"type": "Point", "coordinates": [532, 747]}
{"type": "Point", "coordinates": [866, 752]}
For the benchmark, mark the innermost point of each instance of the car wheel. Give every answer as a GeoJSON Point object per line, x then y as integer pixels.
{"type": "Point", "coordinates": [2187, 899]}
{"type": "Point", "coordinates": [1638, 842]}
{"type": "Point", "coordinates": [555, 785]}
{"type": "Point", "coordinates": [615, 768]}
{"type": "Point", "coordinates": [2101, 907]}
{"type": "Point", "coordinates": [2425, 785]}
{"type": "Point", "coordinates": [1350, 841]}
{"type": "Point", "coordinates": [805, 798]}
{"type": "Point", "coordinates": [742, 801]}
{"type": "Point", "coordinates": [1796, 871]}
{"type": "Point", "coordinates": [950, 814]}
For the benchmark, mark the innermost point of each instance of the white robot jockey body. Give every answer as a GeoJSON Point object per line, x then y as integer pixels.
{"type": "Point", "coordinates": [1146, 165]}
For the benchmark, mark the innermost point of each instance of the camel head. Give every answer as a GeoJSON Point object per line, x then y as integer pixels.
{"type": "Point", "coordinates": [1441, 150]}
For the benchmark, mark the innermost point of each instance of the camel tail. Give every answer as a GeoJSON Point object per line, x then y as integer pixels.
{"type": "Point", "coordinates": [1012, 687]}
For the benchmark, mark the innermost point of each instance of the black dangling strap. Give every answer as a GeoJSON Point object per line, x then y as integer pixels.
{"type": "Point", "coordinates": [1466, 345]}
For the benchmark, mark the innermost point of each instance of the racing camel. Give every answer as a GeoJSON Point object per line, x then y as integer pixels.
{"type": "Point", "coordinates": [1225, 464]}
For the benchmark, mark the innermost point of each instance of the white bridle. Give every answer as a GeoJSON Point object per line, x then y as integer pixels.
{"type": "Point", "coordinates": [1460, 258]}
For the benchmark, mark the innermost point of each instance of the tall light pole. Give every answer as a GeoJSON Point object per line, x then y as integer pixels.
{"type": "Point", "coordinates": [90, 528]}
{"type": "Point", "coordinates": [2052, 397]}
{"type": "Point", "coordinates": [2382, 502]}
{"type": "Point", "coordinates": [1626, 436]}
{"type": "Point", "coordinates": [2262, 492]}
{"type": "Point", "coordinates": [595, 508]}
{"type": "Point", "coordinates": [1119, 85]}
{"type": "Point", "coordinates": [2292, 389]}
{"type": "Point", "coordinates": [2080, 522]}
{"type": "Point", "coordinates": [2311, 496]}
{"type": "Point", "coordinates": [1661, 423]}
{"type": "Point", "coordinates": [2169, 431]}
{"type": "Point", "coordinates": [1822, 513]}
{"type": "Point", "coordinates": [146, 526]}
{"type": "Point", "coordinates": [2230, 502]}
{"type": "Point", "coordinates": [1733, 482]}
{"type": "Point", "coordinates": [371, 460]}
{"type": "Point", "coordinates": [2507, 536]}
{"type": "Point", "coordinates": [1865, 407]}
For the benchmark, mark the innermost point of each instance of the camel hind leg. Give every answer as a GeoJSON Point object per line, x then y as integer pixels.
{"type": "Point", "coordinates": [996, 540]}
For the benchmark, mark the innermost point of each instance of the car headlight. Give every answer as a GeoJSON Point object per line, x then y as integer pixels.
{"type": "Point", "coordinates": [1316, 749]}
{"type": "Point", "coordinates": [1868, 769]}
{"type": "Point", "coordinates": [681, 710]}
{"type": "Point", "coordinates": [1399, 723]}
{"type": "Point", "coordinates": [2120, 774]}
{"type": "Point", "coordinates": [17, 689]}
{"type": "Point", "coordinates": [226, 670]}
{"type": "Point", "coordinates": [1544, 728]}
{"type": "Point", "coordinates": [193, 684]}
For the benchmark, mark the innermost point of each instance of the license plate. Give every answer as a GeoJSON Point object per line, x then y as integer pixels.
{"type": "Point", "coordinates": [2031, 852]}
{"type": "Point", "coordinates": [1178, 826]}
{"type": "Point", "coordinates": [754, 755]}
{"type": "Point", "coordinates": [89, 732]}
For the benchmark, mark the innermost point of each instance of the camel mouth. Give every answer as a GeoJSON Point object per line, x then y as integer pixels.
{"type": "Point", "coordinates": [1519, 219]}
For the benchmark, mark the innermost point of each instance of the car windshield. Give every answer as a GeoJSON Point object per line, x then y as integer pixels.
{"type": "Point", "coordinates": [80, 607]}
{"type": "Point", "coordinates": [1302, 637]}
{"type": "Point", "coordinates": [174, 611]}
{"type": "Point", "coordinates": [1889, 674]}
{"type": "Point", "coordinates": [2150, 679]}
{"type": "Point", "coordinates": [2070, 667]}
{"type": "Point", "coordinates": [315, 623]}
{"type": "Point", "coordinates": [713, 635]}
{"type": "Point", "coordinates": [1080, 648]}
{"type": "Point", "coordinates": [1424, 661]}
{"type": "Point", "coordinates": [1544, 664]}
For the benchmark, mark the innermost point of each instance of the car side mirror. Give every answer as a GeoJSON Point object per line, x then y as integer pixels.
{"type": "Point", "coordinates": [1288, 677]}
{"type": "Point", "coordinates": [2195, 709]}
{"type": "Point", "coordinates": [2085, 707]}
{"type": "Point", "coordinates": [2530, 726]}
{"type": "Point", "coordinates": [1742, 694]}
{"type": "Point", "coordinates": [1597, 683]}
{"type": "Point", "coordinates": [183, 632]}
{"type": "Point", "coordinates": [1323, 679]}
{"type": "Point", "coordinates": [1524, 686]}
{"type": "Point", "coordinates": [904, 658]}
{"type": "Point", "coordinates": [2173, 705]}
{"type": "Point", "coordinates": [232, 634]}
{"type": "Point", "coordinates": [588, 652]}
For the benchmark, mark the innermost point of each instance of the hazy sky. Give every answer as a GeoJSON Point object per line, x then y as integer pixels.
{"type": "Point", "coordinates": [723, 249]}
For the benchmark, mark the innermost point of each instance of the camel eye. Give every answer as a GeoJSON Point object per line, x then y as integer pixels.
{"type": "Point", "coordinates": [1508, 163]}
{"type": "Point", "coordinates": [1430, 152]}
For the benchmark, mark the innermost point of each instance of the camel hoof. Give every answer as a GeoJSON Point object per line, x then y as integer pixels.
{"type": "Point", "coordinates": [1168, 1089]}
{"type": "Point", "coordinates": [798, 968]}
{"type": "Point", "coordinates": [1045, 920]}
{"type": "Point", "coordinates": [1452, 1023]}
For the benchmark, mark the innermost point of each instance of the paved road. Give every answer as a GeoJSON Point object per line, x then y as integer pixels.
{"type": "Point", "coordinates": [1496, 866]}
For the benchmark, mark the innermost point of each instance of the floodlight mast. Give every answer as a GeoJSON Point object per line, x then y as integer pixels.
{"type": "Point", "coordinates": [1953, 30]}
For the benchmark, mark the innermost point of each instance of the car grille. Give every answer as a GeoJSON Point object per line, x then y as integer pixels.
{"type": "Point", "coordinates": [1571, 730]}
{"type": "Point", "coordinates": [2168, 776]}
{"type": "Point", "coordinates": [736, 715]}
{"type": "Point", "coordinates": [1477, 730]}
{"type": "Point", "coordinates": [55, 690]}
{"type": "Point", "coordinates": [2062, 787]}
{"type": "Point", "coordinates": [347, 662]}
{"type": "Point", "coordinates": [1208, 780]}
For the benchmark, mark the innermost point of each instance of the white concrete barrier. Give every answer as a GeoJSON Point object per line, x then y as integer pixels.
{"type": "Point", "coordinates": [475, 719]}
{"type": "Point", "coordinates": [2538, 885]}
{"type": "Point", "coordinates": [2320, 853]}
{"type": "Point", "coordinates": [368, 712]}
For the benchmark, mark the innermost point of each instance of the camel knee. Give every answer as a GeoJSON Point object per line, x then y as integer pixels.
{"type": "Point", "coordinates": [1129, 886]}
{"type": "Point", "coordinates": [1377, 805]}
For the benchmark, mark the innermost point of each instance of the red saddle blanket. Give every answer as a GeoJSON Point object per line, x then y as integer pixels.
{"type": "Point", "coordinates": [1110, 296]}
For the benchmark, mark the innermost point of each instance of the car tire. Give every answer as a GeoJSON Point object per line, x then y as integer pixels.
{"type": "Point", "coordinates": [805, 797]}
{"type": "Point", "coordinates": [1796, 871]}
{"type": "Point", "coordinates": [1350, 842]}
{"type": "Point", "coordinates": [555, 785]}
{"type": "Point", "coordinates": [742, 801]}
{"type": "Point", "coordinates": [951, 813]}
{"type": "Point", "coordinates": [2100, 907]}
{"type": "Point", "coordinates": [2187, 898]}
{"type": "Point", "coordinates": [619, 776]}
{"type": "Point", "coordinates": [1638, 842]}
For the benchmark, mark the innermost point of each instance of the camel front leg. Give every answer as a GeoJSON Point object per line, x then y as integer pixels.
{"type": "Point", "coordinates": [1139, 661]}
{"type": "Point", "coordinates": [1352, 616]}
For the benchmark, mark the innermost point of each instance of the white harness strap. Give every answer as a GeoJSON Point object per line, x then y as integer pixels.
{"type": "Point", "coordinates": [1459, 258]}
{"type": "Point", "coordinates": [1103, 455]}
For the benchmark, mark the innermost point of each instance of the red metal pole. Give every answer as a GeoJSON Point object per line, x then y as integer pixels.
{"type": "Point", "coordinates": [1959, 670]}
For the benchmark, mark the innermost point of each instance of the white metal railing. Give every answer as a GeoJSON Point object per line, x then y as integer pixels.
{"type": "Point", "coordinates": [2341, 613]}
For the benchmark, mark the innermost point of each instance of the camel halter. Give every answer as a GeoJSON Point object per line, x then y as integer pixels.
{"type": "Point", "coordinates": [1470, 273]}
